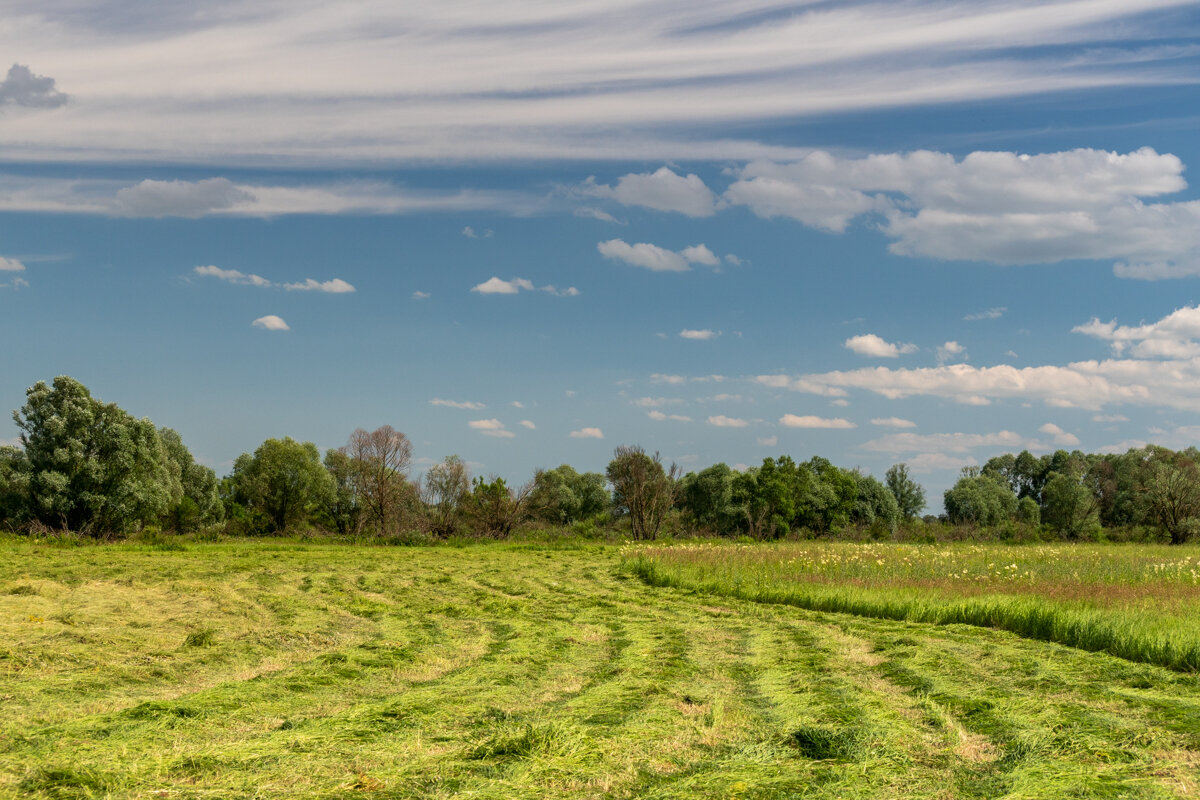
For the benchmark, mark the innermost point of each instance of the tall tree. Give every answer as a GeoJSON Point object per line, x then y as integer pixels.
{"type": "Point", "coordinates": [284, 480]}
{"type": "Point", "coordinates": [445, 488]}
{"type": "Point", "coordinates": [641, 488]}
{"type": "Point", "coordinates": [91, 466]}
{"type": "Point", "coordinates": [380, 460]}
{"type": "Point", "coordinates": [910, 496]}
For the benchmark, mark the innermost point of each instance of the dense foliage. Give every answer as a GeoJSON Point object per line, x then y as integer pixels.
{"type": "Point", "coordinates": [90, 467]}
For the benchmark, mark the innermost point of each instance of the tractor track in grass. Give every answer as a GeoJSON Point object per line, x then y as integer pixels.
{"type": "Point", "coordinates": [519, 672]}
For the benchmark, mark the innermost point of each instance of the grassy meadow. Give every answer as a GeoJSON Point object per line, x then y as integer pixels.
{"type": "Point", "coordinates": [288, 669]}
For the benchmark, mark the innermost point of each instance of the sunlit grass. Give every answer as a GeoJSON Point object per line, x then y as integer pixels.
{"type": "Point", "coordinates": [284, 669]}
{"type": "Point", "coordinates": [1136, 601]}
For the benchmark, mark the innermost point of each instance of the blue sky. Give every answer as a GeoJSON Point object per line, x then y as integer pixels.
{"type": "Point", "coordinates": [528, 232]}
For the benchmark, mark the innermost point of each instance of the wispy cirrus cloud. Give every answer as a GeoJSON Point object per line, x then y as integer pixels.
{"type": "Point", "coordinates": [536, 80]}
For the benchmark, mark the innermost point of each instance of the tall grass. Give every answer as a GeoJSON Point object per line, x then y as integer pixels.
{"type": "Point", "coordinates": [1135, 602]}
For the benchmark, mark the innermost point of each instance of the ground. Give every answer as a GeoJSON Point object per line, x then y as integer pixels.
{"type": "Point", "coordinates": [281, 669]}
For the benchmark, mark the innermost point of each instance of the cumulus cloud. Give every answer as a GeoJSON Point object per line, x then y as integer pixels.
{"type": "Point", "coordinates": [1004, 208]}
{"type": "Point", "coordinates": [950, 351]}
{"type": "Point", "coordinates": [871, 345]}
{"type": "Point", "coordinates": [933, 462]}
{"type": "Point", "coordinates": [902, 443]}
{"type": "Point", "coordinates": [662, 190]}
{"type": "Point", "coordinates": [656, 402]}
{"type": "Point", "coordinates": [673, 380]}
{"type": "Point", "coordinates": [702, 335]}
{"type": "Point", "coordinates": [21, 87]}
{"type": "Point", "coordinates": [335, 286]}
{"type": "Point", "coordinates": [236, 277]}
{"type": "Point", "coordinates": [491, 427]}
{"type": "Point", "coordinates": [11, 265]}
{"type": "Point", "coordinates": [587, 433]}
{"type": "Point", "coordinates": [660, 416]}
{"type": "Point", "coordinates": [794, 421]}
{"type": "Point", "coordinates": [722, 421]}
{"type": "Point", "coordinates": [271, 323]}
{"type": "Point", "coordinates": [991, 313]}
{"type": "Point", "coordinates": [893, 422]}
{"type": "Point", "coordinates": [1110, 418]}
{"type": "Point", "coordinates": [1173, 336]}
{"type": "Point", "coordinates": [419, 295]}
{"type": "Point", "coordinates": [526, 423]}
{"type": "Point", "coordinates": [655, 258]}
{"type": "Point", "coordinates": [1061, 437]}
{"type": "Point", "coordinates": [233, 276]}
{"type": "Point", "coordinates": [465, 404]}
{"type": "Point", "coordinates": [495, 285]}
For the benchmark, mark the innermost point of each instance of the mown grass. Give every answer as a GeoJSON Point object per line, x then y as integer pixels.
{"type": "Point", "coordinates": [282, 669]}
{"type": "Point", "coordinates": [1137, 602]}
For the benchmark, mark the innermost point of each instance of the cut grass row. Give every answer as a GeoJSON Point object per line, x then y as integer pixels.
{"type": "Point", "coordinates": [272, 670]}
{"type": "Point", "coordinates": [1139, 603]}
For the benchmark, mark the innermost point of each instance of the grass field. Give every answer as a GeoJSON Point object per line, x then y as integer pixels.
{"type": "Point", "coordinates": [278, 669]}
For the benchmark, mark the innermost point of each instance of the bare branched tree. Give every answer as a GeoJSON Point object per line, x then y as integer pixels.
{"type": "Point", "coordinates": [380, 460]}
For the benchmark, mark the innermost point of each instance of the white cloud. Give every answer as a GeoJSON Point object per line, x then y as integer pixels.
{"type": "Point", "coordinates": [419, 295]}
{"type": "Point", "coordinates": [1061, 437]}
{"type": "Point", "coordinates": [233, 276]}
{"type": "Point", "coordinates": [991, 313]}
{"type": "Point", "coordinates": [700, 254]}
{"type": "Point", "coordinates": [893, 422]}
{"type": "Point", "coordinates": [16, 283]}
{"type": "Point", "coordinates": [698, 335]}
{"type": "Point", "coordinates": [656, 402]}
{"type": "Point", "coordinates": [655, 258]}
{"type": "Point", "coordinates": [1110, 418]}
{"type": "Point", "coordinates": [1173, 336]}
{"type": "Point", "coordinates": [950, 351]}
{"type": "Point", "coordinates": [465, 404]}
{"type": "Point", "coordinates": [469, 232]}
{"type": "Point", "coordinates": [871, 345]}
{"type": "Point", "coordinates": [1005, 208]}
{"type": "Point", "coordinates": [901, 443]}
{"type": "Point", "coordinates": [794, 421]}
{"type": "Point", "coordinates": [659, 416]}
{"type": "Point", "coordinates": [587, 433]}
{"type": "Point", "coordinates": [495, 285]}
{"type": "Point", "coordinates": [491, 427]}
{"type": "Point", "coordinates": [588, 212]}
{"type": "Point", "coordinates": [767, 441]}
{"type": "Point", "coordinates": [517, 404]}
{"type": "Point", "coordinates": [271, 323]}
{"type": "Point", "coordinates": [335, 286]}
{"type": "Point", "coordinates": [525, 423]}
{"type": "Point", "coordinates": [721, 421]}
{"type": "Point", "coordinates": [661, 190]}
{"type": "Point", "coordinates": [932, 462]}
{"type": "Point", "coordinates": [11, 265]}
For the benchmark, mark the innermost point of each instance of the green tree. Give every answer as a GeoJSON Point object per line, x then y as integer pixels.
{"type": "Point", "coordinates": [1069, 506]}
{"type": "Point", "coordinates": [563, 496]}
{"type": "Point", "coordinates": [340, 508]}
{"type": "Point", "coordinates": [980, 499]}
{"type": "Point", "coordinates": [197, 501]}
{"type": "Point", "coordinates": [1170, 489]}
{"type": "Point", "coordinates": [284, 480]}
{"type": "Point", "coordinates": [495, 508]}
{"type": "Point", "coordinates": [706, 499]}
{"type": "Point", "coordinates": [910, 495]}
{"type": "Point", "coordinates": [446, 486]}
{"type": "Point", "coordinates": [379, 461]}
{"type": "Point", "coordinates": [642, 489]}
{"type": "Point", "coordinates": [875, 505]}
{"type": "Point", "coordinates": [14, 487]}
{"type": "Point", "coordinates": [91, 466]}
{"type": "Point", "coordinates": [767, 496]}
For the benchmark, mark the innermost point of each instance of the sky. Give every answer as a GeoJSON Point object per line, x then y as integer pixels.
{"type": "Point", "coordinates": [528, 232]}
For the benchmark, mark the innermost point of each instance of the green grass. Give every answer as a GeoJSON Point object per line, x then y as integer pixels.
{"type": "Point", "coordinates": [1137, 602]}
{"type": "Point", "coordinates": [283, 669]}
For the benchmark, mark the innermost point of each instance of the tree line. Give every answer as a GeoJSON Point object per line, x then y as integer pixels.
{"type": "Point", "coordinates": [90, 467]}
